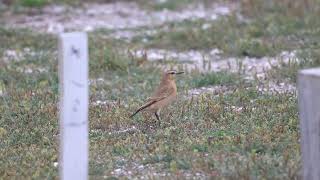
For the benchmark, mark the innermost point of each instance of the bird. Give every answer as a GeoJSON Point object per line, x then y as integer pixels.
{"type": "Point", "coordinates": [164, 95]}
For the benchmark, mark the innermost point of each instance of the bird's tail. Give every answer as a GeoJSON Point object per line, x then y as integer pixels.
{"type": "Point", "coordinates": [143, 107]}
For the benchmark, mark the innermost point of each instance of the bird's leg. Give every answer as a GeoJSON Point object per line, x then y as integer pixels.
{"type": "Point", "coordinates": [157, 114]}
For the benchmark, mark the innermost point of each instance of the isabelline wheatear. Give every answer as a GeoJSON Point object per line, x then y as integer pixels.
{"type": "Point", "coordinates": [165, 94]}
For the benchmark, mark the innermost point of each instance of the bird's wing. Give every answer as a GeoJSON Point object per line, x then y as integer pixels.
{"type": "Point", "coordinates": [161, 93]}
{"type": "Point", "coordinates": [149, 103]}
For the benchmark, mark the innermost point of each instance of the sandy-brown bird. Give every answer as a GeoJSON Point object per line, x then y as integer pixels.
{"type": "Point", "coordinates": [165, 94]}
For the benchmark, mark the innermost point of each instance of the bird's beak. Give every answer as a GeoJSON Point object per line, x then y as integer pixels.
{"type": "Point", "coordinates": [181, 72]}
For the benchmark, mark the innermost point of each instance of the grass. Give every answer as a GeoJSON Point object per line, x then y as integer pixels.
{"type": "Point", "coordinates": [243, 134]}
{"type": "Point", "coordinates": [170, 5]}
{"type": "Point", "coordinates": [226, 34]}
{"type": "Point", "coordinates": [9, 38]}
{"type": "Point", "coordinates": [20, 6]}
{"type": "Point", "coordinates": [38, 3]}
{"type": "Point", "coordinates": [197, 133]}
{"type": "Point", "coordinates": [205, 135]}
{"type": "Point", "coordinates": [266, 31]}
{"type": "Point", "coordinates": [33, 3]}
{"type": "Point", "coordinates": [266, 28]}
{"type": "Point", "coordinates": [220, 78]}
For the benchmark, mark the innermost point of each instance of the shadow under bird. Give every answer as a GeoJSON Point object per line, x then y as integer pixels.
{"type": "Point", "coordinates": [165, 94]}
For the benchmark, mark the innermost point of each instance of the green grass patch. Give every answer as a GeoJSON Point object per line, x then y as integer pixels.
{"type": "Point", "coordinates": [307, 58]}
{"type": "Point", "coordinates": [241, 135]}
{"type": "Point", "coordinates": [218, 78]}
{"type": "Point", "coordinates": [201, 134]}
{"type": "Point", "coordinates": [271, 28]}
{"type": "Point", "coordinates": [171, 5]}
{"type": "Point", "coordinates": [33, 3]}
{"type": "Point", "coordinates": [17, 39]}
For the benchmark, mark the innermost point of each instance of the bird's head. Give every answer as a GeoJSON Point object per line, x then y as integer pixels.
{"type": "Point", "coordinates": [169, 75]}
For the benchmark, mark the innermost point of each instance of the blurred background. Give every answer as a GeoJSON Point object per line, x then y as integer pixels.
{"type": "Point", "coordinates": [236, 114]}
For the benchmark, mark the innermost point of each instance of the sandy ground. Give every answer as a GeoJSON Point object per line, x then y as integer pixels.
{"type": "Point", "coordinates": [123, 17]}
{"type": "Point", "coordinates": [212, 61]}
{"type": "Point", "coordinates": [118, 15]}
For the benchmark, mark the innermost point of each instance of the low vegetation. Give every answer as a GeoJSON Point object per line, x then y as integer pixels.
{"type": "Point", "coordinates": [265, 31]}
{"type": "Point", "coordinates": [239, 133]}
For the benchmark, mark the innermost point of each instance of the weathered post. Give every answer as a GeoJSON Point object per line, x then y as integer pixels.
{"type": "Point", "coordinates": [309, 109]}
{"type": "Point", "coordinates": [73, 77]}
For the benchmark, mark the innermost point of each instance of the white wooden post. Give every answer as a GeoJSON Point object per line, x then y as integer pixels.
{"type": "Point", "coordinates": [309, 109]}
{"type": "Point", "coordinates": [73, 76]}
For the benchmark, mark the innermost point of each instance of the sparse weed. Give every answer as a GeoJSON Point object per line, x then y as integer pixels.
{"type": "Point", "coordinates": [245, 134]}
{"type": "Point", "coordinates": [266, 31]}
